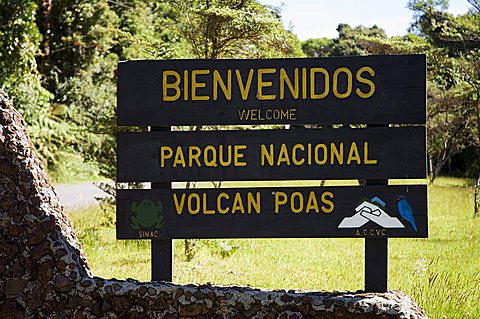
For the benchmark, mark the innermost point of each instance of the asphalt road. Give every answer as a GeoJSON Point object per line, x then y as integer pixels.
{"type": "Point", "coordinates": [73, 196]}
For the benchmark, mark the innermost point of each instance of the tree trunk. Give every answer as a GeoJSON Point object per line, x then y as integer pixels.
{"type": "Point", "coordinates": [47, 12]}
{"type": "Point", "coordinates": [477, 198]}
{"type": "Point", "coordinates": [442, 159]}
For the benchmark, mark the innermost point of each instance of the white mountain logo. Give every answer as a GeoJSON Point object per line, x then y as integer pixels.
{"type": "Point", "coordinates": [371, 210]}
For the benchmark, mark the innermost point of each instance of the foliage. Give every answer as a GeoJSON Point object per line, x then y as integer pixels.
{"type": "Point", "coordinates": [19, 42]}
{"type": "Point", "coordinates": [71, 167]}
{"type": "Point", "coordinates": [147, 30]}
{"type": "Point", "coordinates": [347, 43]}
{"type": "Point", "coordinates": [78, 66]}
{"type": "Point", "coordinates": [452, 46]}
{"type": "Point", "coordinates": [454, 79]}
{"type": "Point", "coordinates": [155, 29]}
{"type": "Point", "coordinates": [317, 48]}
{"type": "Point", "coordinates": [19, 77]}
{"type": "Point", "coordinates": [239, 29]}
{"type": "Point", "coordinates": [139, 34]}
{"type": "Point", "coordinates": [58, 59]}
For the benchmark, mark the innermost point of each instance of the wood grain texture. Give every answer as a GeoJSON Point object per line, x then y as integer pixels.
{"type": "Point", "coordinates": [399, 152]}
{"type": "Point", "coordinates": [399, 96]}
{"type": "Point", "coordinates": [203, 214]}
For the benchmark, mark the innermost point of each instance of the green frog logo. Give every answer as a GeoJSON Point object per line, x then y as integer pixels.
{"type": "Point", "coordinates": [147, 214]}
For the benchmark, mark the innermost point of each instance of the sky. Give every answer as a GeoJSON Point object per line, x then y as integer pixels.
{"type": "Point", "coordinates": [320, 18]}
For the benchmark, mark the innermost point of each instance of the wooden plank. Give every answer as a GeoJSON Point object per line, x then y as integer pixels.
{"type": "Point", "coordinates": [161, 250]}
{"type": "Point", "coordinates": [375, 153]}
{"type": "Point", "coordinates": [355, 211]}
{"type": "Point", "coordinates": [376, 257]}
{"type": "Point", "coordinates": [346, 90]}
{"type": "Point", "coordinates": [162, 260]}
{"type": "Point", "coordinates": [376, 264]}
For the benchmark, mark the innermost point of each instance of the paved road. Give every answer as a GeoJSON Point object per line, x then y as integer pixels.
{"type": "Point", "coordinates": [74, 196]}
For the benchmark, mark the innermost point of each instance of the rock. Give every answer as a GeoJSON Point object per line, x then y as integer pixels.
{"type": "Point", "coordinates": [109, 289]}
{"type": "Point", "coordinates": [73, 275]}
{"type": "Point", "coordinates": [36, 237]}
{"type": "Point", "coordinates": [142, 291]}
{"type": "Point", "coordinates": [151, 291]}
{"type": "Point", "coordinates": [63, 283]}
{"type": "Point", "coordinates": [60, 253]}
{"type": "Point", "coordinates": [286, 298]}
{"type": "Point", "coordinates": [15, 286]}
{"type": "Point", "coordinates": [9, 247]}
{"type": "Point", "coordinates": [79, 314]}
{"type": "Point", "coordinates": [193, 310]}
{"type": "Point", "coordinates": [16, 270]}
{"type": "Point", "coordinates": [61, 265]}
{"type": "Point", "coordinates": [121, 303]}
{"type": "Point", "coordinates": [100, 282]}
{"type": "Point", "coordinates": [11, 310]}
{"type": "Point", "coordinates": [40, 250]}
{"type": "Point", "coordinates": [15, 230]}
{"type": "Point", "coordinates": [35, 294]}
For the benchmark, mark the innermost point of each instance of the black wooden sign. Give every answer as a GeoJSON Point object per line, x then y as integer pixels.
{"type": "Point", "coordinates": [368, 211]}
{"type": "Point", "coordinates": [343, 90]}
{"type": "Point", "coordinates": [375, 153]}
{"type": "Point", "coordinates": [373, 91]}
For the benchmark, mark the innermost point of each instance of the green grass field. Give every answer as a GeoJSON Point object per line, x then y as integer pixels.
{"type": "Point", "coordinates": [441, 273]}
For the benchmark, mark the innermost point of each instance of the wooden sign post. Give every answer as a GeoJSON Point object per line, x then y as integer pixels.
{"type": "Point", "coordinates": [375, 107]}
{"type": "Point", "coordinates": [161, 250]}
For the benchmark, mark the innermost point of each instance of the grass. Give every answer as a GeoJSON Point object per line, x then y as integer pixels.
{"type": "Point", "coordinates": [441, 273]}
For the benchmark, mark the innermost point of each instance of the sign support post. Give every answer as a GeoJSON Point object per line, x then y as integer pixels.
{"type": "Point", "coordinates": [376, 252]}
{"type": "Point", "coordinates": [162, 259]}
{"type": "Point", "coordinates": [161, 249]}
{"type": "Point", "coordinates": [376, 264]}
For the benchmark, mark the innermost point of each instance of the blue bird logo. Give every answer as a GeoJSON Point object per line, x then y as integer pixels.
{"type": "Point", "coordinates": [405, 211]}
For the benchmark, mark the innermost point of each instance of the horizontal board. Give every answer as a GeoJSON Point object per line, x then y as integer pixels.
{"type": "Point", "coordinates": [296, 154]}
{"type": "Point", "coordinates": [368, 211]}
{"type": "Point", "coordinates": [341, 90]}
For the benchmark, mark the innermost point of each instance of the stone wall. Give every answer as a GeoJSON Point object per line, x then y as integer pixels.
{"type": "Point", "coordinates": [44, 272]}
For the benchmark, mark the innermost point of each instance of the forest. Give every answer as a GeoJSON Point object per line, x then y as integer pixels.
{"type": "Point", "coordinates": [58, 62]}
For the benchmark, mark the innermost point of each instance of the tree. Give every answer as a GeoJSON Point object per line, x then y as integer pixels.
{"type": "Point", "coordinates": [241, 29]}
{"type": "Point", "coordinates": [317, 48]}
{"type": "Point", "coordinates": [19, 41]}
{"type": "Point", "coordinates": [78, 68]}
{"type": "Point", "coordinates": [58, 58]}
{"type": "Point", "coordinates": [147, 30]}
{"type": "Point", "coordinates": [455, 82]}
{"type": "Point", "coordinates": [447, 111]}
{"type": "Point", "coordinates": [347, 42]}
